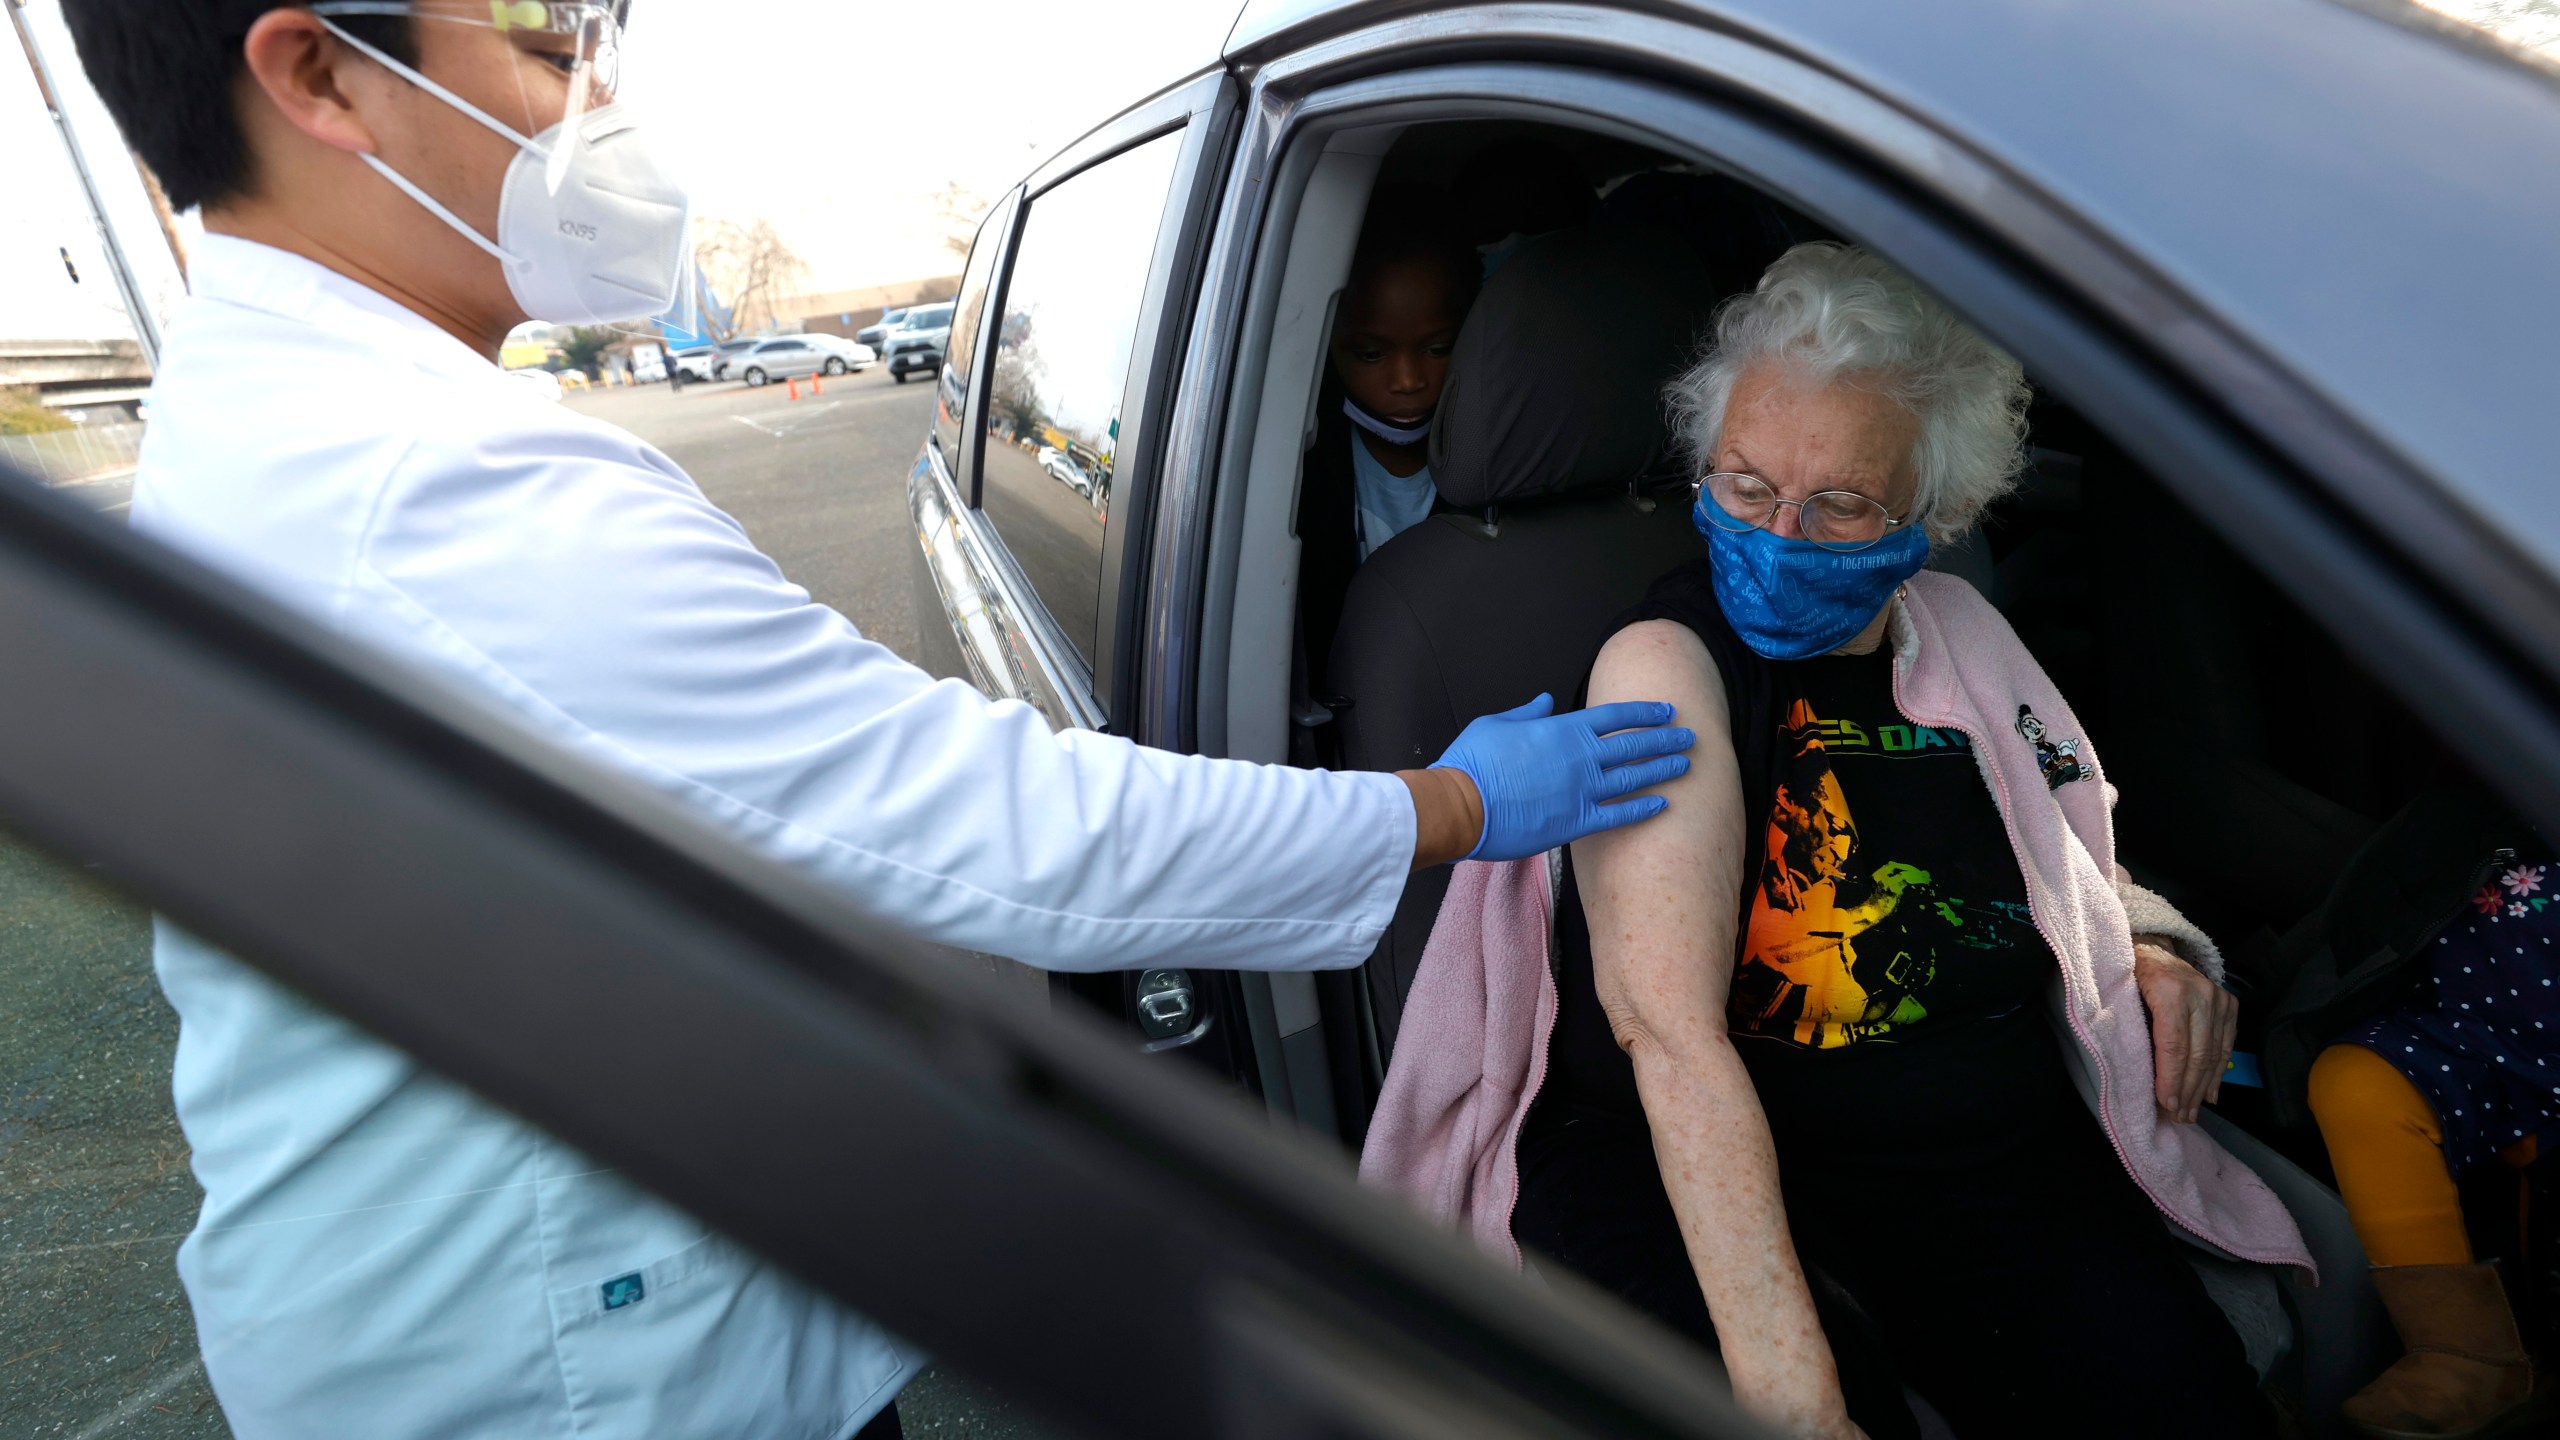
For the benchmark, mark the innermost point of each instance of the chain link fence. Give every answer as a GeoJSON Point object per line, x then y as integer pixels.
{"type": "Point", "coordinates": [86, 452]}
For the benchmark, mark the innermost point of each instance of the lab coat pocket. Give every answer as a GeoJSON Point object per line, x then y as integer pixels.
{"type": "Point", "coordinates": [711, 1342]}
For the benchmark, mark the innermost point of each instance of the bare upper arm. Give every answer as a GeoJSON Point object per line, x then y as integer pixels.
{"type": "Point", "coordinates": [1659, 897]}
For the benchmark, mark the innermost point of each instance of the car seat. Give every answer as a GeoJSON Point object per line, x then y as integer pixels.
{"type": "Point", "coordinates": [1549, 428]}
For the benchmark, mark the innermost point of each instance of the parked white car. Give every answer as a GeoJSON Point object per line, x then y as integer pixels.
{"type": "Point", "coordinates": [699, 363]}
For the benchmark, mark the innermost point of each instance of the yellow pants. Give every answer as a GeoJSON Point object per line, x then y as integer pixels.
{"type": "Point", "coordinates": [2389, 1153]}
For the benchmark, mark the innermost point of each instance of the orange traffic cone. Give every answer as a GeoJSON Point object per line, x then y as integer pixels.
{"type": "Point", "coordinates": [817, 384]}
{"type": "Point", "coordinates": [794, 383]}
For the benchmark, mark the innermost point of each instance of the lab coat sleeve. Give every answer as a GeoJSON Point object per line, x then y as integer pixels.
{"type": "Point", "coordinates": [607, 600]}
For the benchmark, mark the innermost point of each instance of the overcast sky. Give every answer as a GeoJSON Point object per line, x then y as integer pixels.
{"type": "Point", "coordinates": [836, 119]}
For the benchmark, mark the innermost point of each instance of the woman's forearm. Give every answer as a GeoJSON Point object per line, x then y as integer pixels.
{"type": "Point", "coordinates": [1659, 899]}
{"type": "Point", "coordinates": [1712, 1143]}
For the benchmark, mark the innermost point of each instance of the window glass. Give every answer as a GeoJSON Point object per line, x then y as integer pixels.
{"type": "Point", "coordinates": [1070, 318]}
{"type": "Point", "coordinates": [961, 349]}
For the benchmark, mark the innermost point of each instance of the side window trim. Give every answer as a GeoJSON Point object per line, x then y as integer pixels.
{"type": "Point", "coordinates": [1155, 377]}
{"type": "Point", "coordinates": [1004, 227]}
{"type": "Point", "coordinates": [1064, 685]}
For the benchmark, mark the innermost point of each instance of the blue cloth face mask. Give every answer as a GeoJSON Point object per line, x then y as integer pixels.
{"type": "Point", "coordinates": [1792, 599]}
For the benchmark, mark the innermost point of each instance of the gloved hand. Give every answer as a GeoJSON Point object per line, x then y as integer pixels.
{"type": "Point", "coordinates": [1544, 777]}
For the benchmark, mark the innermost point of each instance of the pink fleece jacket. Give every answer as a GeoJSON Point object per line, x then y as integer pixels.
{"type": "Point", "coordinates": [1472, 1050]}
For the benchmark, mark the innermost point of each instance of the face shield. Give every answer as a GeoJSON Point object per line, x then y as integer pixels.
{"type": "Point", "coordinates": [577, 44]}
{"type": "Point", "coordinates": [591, 229]}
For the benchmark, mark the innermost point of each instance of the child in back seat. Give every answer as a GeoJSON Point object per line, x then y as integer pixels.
{"type": "Point", "coordinates": [1368, 474]}
{"type": "Point", "coordinates": [2463, 1073]}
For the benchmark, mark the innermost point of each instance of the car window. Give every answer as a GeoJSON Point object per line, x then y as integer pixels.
{"type": "Point", "coordinates": [1069, 320]}
{"type": "Point", "coordinates": [960, 350]}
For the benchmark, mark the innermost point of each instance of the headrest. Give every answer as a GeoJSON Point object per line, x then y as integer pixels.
{"type": "Point", "coordinates": [1557, 380]}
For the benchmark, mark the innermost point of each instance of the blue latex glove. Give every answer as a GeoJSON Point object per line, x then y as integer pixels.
{"type": "Point", "coordinates": [1544, 777]}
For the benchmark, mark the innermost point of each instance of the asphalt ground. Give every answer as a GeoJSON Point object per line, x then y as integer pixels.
{"type": "Point", "coordinates": [95, 1336]}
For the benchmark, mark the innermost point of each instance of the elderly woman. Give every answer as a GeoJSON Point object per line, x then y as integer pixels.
{"type": "Point", "coordinates": [1813, 1092]}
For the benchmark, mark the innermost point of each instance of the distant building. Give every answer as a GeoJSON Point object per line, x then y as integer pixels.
{"type": "Point", "coordinates": [842, 312]}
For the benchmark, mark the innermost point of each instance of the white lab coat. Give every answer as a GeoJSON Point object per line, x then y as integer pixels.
{"type": "Point", "coordinates": [382, 1255]}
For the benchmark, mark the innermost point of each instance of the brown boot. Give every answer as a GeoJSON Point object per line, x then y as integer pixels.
{"type": "Point", "coordinates": [2466, 1373]}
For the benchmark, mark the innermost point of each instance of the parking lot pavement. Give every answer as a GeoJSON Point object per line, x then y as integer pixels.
{"type": "Point", "coordinates": [95, 1338]}
{"type": "Point", "coordinates": [819, 483]}
{"type": "Point", "coordinates": [107, 497]}
{"type": "Point", "coordinates": [95, 1193]}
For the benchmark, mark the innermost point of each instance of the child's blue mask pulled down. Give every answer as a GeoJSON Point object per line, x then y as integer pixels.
{"type": "Point", "coordinates": [1792, 599]}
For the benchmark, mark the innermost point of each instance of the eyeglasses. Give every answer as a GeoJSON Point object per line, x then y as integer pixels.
{"type": "Point", "coordinates": [1833, 519]}
{"type": "Point", "coordinates": [585, 35]}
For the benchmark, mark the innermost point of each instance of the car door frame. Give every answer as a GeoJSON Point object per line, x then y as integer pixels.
{"type": "Point", "coordinates": [2246, 444]}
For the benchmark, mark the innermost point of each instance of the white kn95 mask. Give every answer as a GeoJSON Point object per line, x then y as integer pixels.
{"type": "Point", "coordinates": [607, 242]}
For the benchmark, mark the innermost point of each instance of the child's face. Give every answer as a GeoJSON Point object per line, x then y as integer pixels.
{"type": "Point", "coordinates": [1392, 341]}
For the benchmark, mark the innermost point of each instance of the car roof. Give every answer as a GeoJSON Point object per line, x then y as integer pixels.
{"type": "Point", "coordinates": [2282, 162]}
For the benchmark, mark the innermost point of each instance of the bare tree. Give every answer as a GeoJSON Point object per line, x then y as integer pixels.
{"type": "Point", "coordinates": [750, 266]}
{"type": "Point", "coordinates": [1017, 400]}
{"type": "Point", "coordinates": [959, 209]}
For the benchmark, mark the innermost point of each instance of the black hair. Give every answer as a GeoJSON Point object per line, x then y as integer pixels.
{"type": "Point", "coordinates": [166, 70]}
{"type": "Point", "coordinates": [1407, 223]}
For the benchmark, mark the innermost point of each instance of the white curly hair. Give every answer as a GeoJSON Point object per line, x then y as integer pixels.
{"type": "Point", "coordinates": [1837, 314]}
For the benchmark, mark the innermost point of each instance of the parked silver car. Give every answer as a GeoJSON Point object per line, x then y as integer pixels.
{"type": "Point", "coordinates": [853, 353]}
{"type": "Point", "coordinates": [1063, 468]}
{"type": "Point", "coordinates": [790, 356]}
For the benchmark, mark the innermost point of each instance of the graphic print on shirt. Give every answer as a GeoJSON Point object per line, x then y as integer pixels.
{"type": "Point", "coordinates": [1846, 943]}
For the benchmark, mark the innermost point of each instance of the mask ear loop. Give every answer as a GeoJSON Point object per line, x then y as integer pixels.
{"type": "Point", "coordinates": [437, 208]}
{"type": "Point", "coordinates": [509, 132]}
{"type": "Point", "coordinates": [408, 187]}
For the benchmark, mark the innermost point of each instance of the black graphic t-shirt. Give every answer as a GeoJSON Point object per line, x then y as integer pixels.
{"type": "Point", "coordinates": [1887, 903]}
{"type": "Point", "coordinates": [1889, 983]}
